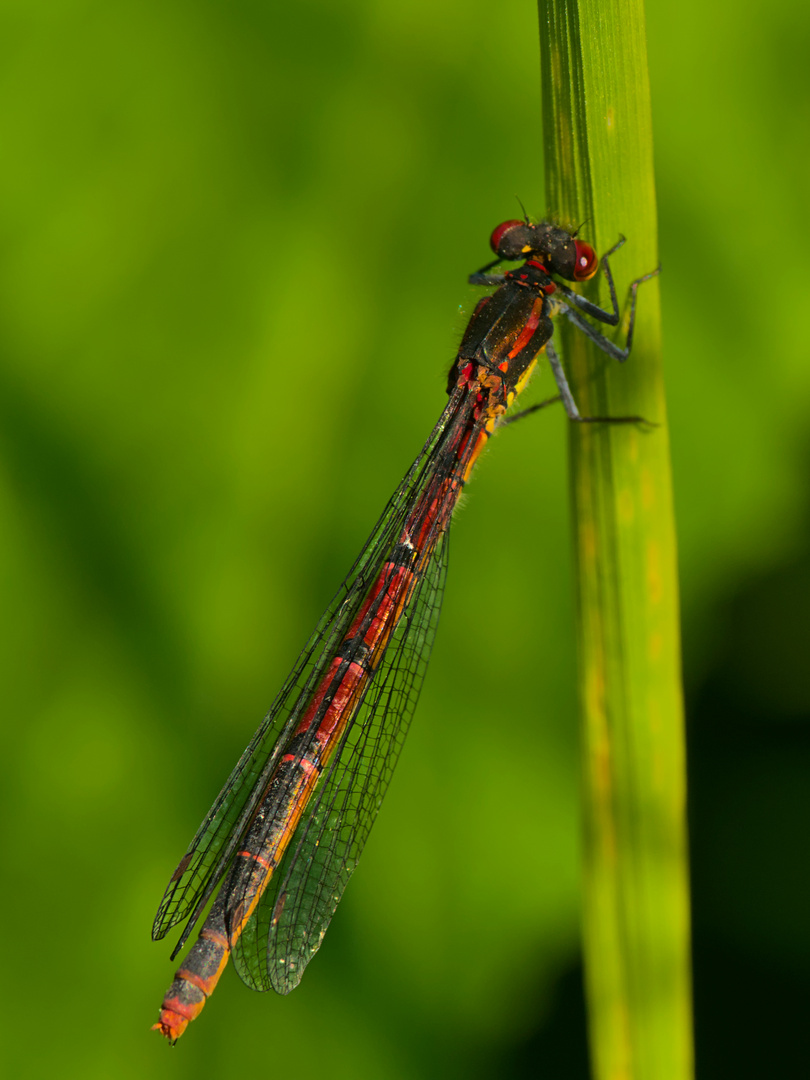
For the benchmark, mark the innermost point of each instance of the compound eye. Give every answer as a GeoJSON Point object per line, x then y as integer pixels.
{"type": "Point", "coordinates": [513, 240]}
{"type": "Point", "coordinates": [498, 234]}
{"type": "Point", "coordinates": [586, 263]}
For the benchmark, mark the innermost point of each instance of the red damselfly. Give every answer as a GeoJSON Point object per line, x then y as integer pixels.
{"type": "Point", "coordinates": [288, 827]}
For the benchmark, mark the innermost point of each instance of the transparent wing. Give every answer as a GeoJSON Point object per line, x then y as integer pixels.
{"type": "Point", "coordinates": [297, 907]}
{"type": "Point", "coordinates": [209, 853]}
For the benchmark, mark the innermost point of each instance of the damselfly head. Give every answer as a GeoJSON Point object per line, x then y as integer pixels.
{"type": "Point", "coordinates": [556, 248]}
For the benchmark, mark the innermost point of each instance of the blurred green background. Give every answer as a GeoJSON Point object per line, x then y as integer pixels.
{"type": "Point", "coordinates": [235, 240]}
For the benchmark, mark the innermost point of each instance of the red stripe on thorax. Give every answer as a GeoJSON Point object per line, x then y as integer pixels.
{"type": "Point", "coordinates": [528, 330]}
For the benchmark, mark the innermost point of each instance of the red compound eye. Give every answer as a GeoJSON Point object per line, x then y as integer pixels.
{"type": "Point", "coordinates": [499, 233]}
{"type": "Point", "coordinates": [586, 263]}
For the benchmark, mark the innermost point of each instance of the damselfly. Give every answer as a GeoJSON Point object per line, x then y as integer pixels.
{"type": "Point", "coordinates": [288, 827]}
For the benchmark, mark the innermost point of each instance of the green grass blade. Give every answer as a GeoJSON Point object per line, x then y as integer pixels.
{"type": "Point", "coordinates": [599, 170]}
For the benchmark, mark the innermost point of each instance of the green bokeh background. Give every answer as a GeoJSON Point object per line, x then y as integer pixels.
{"type": "Point", "coordinates": [233, 253]}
